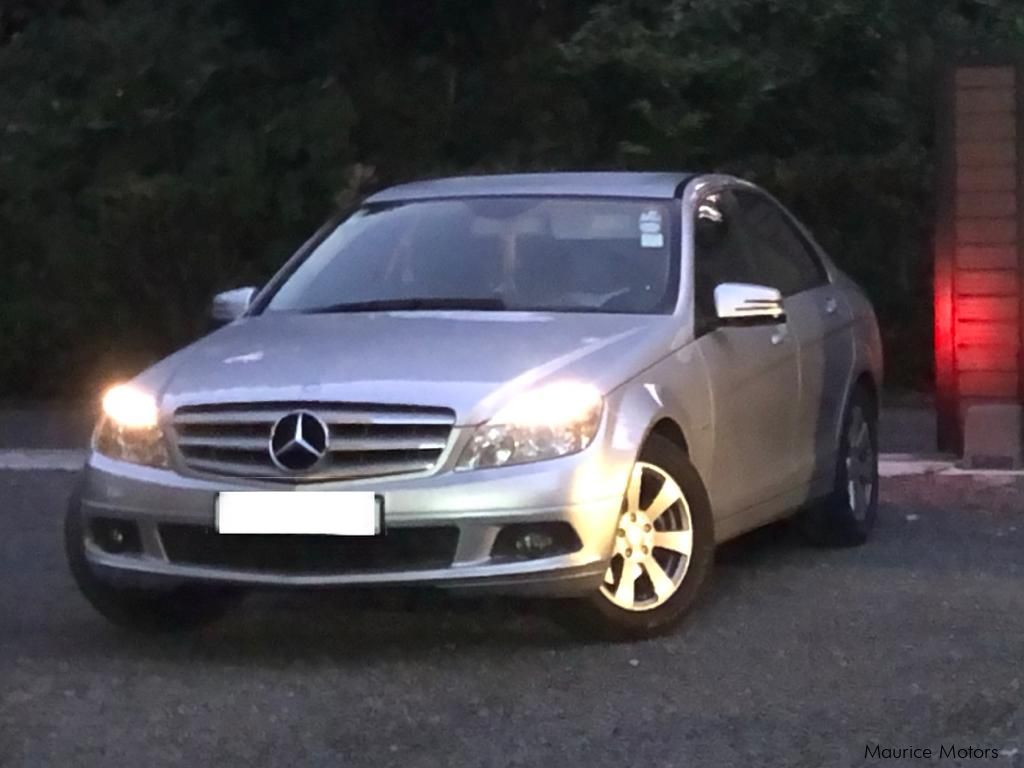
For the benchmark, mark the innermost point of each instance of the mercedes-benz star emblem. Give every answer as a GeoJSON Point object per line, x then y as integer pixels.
{"type": "Point", "coordinates": [298, 441]}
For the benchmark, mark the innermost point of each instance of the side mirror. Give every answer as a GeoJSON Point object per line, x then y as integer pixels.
{"type": "Point", "coordinates": [231, 305]}
{"type": "Point", "coordinates": [745, 304]}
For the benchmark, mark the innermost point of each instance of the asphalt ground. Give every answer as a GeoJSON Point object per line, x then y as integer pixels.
{"type": "Point", "coordinates": [796, 657]}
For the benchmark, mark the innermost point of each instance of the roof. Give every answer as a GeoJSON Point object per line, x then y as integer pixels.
{"type": "Point", "coordinates": [601, 184]}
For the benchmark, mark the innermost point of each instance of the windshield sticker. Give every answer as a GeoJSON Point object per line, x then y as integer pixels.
{"type": "Point", "coordinates": [650, 230]}
{"type": "Point", "coordinates": [251, 357]}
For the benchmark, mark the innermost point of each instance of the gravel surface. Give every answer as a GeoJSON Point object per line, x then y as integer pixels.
{"type": "Point", "coordinates": [797, 656]}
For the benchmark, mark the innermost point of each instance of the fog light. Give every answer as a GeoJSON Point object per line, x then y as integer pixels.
{"type": "Point", "coordinates": [526, 541]}
{"type": "Point", "coordinates": [116, 537]}
{"type": "Point", "coordinates": [533, 544]}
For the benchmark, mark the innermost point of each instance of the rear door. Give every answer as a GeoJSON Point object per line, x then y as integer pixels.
{"type": "Point", "coordinates": [753, 373]}
{"type": "Point", "coordinates": [820, 322]}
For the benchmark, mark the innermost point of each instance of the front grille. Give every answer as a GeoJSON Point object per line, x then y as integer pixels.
{"type": "Point", "coordinates": [398, 549]}
{"type": "Point", "coordinates": [365, 440]}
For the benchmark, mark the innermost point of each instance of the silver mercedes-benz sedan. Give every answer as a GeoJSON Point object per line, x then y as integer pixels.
{"type": "Point", "coordinates": [563, 385]}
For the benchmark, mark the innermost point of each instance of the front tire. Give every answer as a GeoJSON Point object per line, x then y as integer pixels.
{"type": "Point", "coordinates": [178, 609]}
{"type": "Point", "coordinates": [663, 551]}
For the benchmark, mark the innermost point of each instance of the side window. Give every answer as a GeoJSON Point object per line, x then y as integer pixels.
{"type": "Point", "coordinates": [782, 258]}
{"type": "Point", "coordinates": [720, 251]}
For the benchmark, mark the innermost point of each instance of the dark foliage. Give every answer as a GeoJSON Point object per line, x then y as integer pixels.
{"type": "Point", "coordinates": [154, 151]}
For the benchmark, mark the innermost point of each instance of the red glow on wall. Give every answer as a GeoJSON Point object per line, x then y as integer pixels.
{"type": "Point", "coordinates": [979, 233]}
{"type": "Point", "coordinates": [944, 314]}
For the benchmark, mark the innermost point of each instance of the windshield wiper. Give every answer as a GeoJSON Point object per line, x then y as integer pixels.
{"type": "Point", "coordinates": [420, 304]}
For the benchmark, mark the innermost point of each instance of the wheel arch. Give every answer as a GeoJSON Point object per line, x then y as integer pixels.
{"type": "Point", "coordinates": [865, 382]}
{"type": "Point", "coordinates": [669, 429]}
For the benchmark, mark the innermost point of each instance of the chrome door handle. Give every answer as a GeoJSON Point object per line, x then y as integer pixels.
{"type": "Point", "coordinates": [780, 336]}
{"type": "Point", "coordinates": [831, 305]}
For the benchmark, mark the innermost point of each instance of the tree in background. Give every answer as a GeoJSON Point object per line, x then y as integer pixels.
{"type": "Point", "coordinates": [154, 152]}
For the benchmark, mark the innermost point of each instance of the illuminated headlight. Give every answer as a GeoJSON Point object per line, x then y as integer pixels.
{"type": "Point", "coordinates": [545, 423]}
{"type": "Point", "coordinates": [129, 429]}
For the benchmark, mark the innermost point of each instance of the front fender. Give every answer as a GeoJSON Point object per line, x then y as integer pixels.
{"type": "Point", "coordinates": [676, 389]}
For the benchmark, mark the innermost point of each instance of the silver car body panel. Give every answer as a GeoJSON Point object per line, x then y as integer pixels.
{"type": "Point", "coordinates": [759, 409]}
{"type": "Point", "coordinates": [664, 186]}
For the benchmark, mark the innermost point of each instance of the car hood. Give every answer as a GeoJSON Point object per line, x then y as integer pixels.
{"type": "Point", "coordinates": [472, 362]}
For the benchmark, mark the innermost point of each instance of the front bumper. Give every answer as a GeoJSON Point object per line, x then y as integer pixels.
{"type": "Point", "coordinates": [582, 493]}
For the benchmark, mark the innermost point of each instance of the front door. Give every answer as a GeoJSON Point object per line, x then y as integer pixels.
{"type": "Point", "coordinates": [753, 371]}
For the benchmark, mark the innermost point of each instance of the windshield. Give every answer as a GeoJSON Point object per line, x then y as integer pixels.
{"type": "Point", "coordinates": [493, 254]}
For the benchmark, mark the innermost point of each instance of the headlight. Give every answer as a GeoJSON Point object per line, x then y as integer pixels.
{"type": "Point", "coordinates": [129, 429]}
{"type": "Point", "coordinates": [545, 423]}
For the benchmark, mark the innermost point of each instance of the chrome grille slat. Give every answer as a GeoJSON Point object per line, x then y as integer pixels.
{"type": "Point", "coordinates": [234, 469]}
{"type": "Point", "coordinates": [241, 417]}
{"type": "Point", "coordinates": [366, 440]}
{"type": "Point", "coordinates": [330, 417]}
{"type": "Point", "coordinates": [330, 472]}
{"type": "Point", "coordinates": [223, 441]}
{"type": "Point", "coordinates": [381, 469]}
{"type": "Point", "coordinates": [344, 444]}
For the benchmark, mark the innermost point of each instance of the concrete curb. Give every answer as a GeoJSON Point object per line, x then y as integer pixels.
{"type": "Point", "coordinates": [35, 460]}
{"type": "Point", "coordinates": [909, 465]}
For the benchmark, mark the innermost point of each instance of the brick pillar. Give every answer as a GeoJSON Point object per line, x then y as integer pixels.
{"type": "Point", "coordinates": [978, 269]}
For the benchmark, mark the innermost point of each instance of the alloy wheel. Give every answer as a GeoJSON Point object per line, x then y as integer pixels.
{"type": "Point", "coordinates": [861, 465]}
{"type": "Point", "coordinates": [653, 543]}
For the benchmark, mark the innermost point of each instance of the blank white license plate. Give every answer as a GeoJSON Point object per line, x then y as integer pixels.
{"type": "Point", "coordinates": [347, 513]}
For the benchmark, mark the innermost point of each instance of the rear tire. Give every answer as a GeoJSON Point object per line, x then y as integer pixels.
{"type": "Point", "coordinates": [664, 556]}
{"type": "Point", "coordinates": [846, 517]}
{"type": "Point", "coordinates": [178, 609]}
